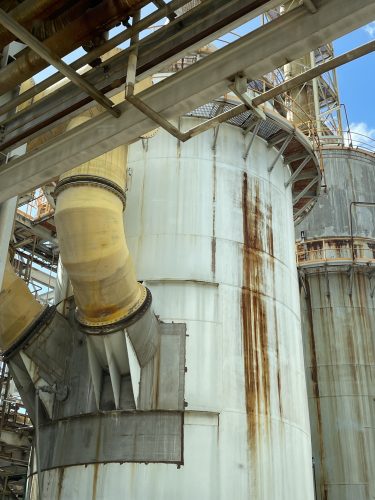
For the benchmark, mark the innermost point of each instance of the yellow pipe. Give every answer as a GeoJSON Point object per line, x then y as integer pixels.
{"type": "Point", "coordinates": [93, 249]}
{"type": "Point", "coordinates": [18, 308]}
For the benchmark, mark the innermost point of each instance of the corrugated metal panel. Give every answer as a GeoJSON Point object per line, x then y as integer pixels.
{"type": "Point", "coordinates": [147, 436]}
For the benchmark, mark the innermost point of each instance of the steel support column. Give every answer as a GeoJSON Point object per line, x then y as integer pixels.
{"type": "Point", "coordinates": [7, 213]}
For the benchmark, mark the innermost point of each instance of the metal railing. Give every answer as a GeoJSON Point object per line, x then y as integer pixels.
{"type": "Point", "coordinates": [352, 140]}
{"type": "Point", "coordinates": [336, 251]}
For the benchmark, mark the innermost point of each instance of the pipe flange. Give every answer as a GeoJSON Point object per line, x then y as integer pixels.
{"type": "Point", "coordinates": [90, 180]}
{"type": "Point", "coordinates": [121, 324]}
{"type": "Point", "coordinates": [44, 318]}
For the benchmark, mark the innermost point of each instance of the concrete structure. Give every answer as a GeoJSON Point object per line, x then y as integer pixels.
{"type": "Point", "coordinates": [336, 263]}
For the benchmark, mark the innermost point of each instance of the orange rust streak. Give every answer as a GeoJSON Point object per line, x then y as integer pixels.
{"type": "Point", "coordinates": [254, 317]}
{"type": "Point", "coordinates": [315, 384]}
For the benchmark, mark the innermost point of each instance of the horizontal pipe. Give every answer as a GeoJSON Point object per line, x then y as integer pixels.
{"type": "Point", "coordinates": [99, 18]}
{"type": "Point", "coordinates": [97, 52]}
{"type": "Point", "coordinates": [26, 13]}
{"type": "Point", "coordinates": [55, 61]}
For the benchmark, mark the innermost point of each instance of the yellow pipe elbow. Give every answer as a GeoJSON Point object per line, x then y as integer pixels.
{"type": "Point", "coordinates": [93, 248]}
{"type": "Point", "coordinates": [18, 308]}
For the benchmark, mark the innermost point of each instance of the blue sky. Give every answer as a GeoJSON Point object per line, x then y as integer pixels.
{"type": "Point", "coordinates": [356, 81]}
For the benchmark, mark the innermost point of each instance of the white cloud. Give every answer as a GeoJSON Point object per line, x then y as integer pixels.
{"type": "Point", "coordinates": [362, 136]}
{"type": "Point", "coordinates": [370, 29]}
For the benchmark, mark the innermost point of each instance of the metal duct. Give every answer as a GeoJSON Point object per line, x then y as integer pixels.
{"type": "Point", "coordinates": [18, 308]}
{"type": "Point", "coordinates": [98, 19]}
{"type": "Point", "coordinates": [93, 249]}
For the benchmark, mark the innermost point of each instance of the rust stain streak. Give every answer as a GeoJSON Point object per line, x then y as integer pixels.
{"type": "Point", "coordinates": [96, 465]}
{"type": "Point", "coordinates": [315, 385]}
{"type": "Point", "coordinates": [253, 310]}
{"type": "Point", "coordinates": [270, 233]}
{"type": "Point", "coordinates": [213, 239]}
{"type": "Point", "coordinates": [95, 481]}
{"type": "Point", "coordinates": [277, 345]}
{"type": "Point", "coordinates": [60, 482]}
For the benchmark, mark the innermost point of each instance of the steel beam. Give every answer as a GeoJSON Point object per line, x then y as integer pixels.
{"type": "Point", "coordinates": [146, 22]}
{"type": "Point", "coordinates": [287, 38]}
{"type": "Point", "coordinates": [155, 52]}
{"type": "Point", "coordinates": [255, 133]}
{"type": "Point", "coordinates": [7, 214]}
{"type": "Point", "coordinates": [38, 230]}
{"type": "Point", "coordinates": [280, 151]}
{"type": "Point", "coordinates": [301, 210]}
{"type": "Point", "coordinates": [199, 129]}
{"type": "Point", "coordinates": [296, 173]}
{"type": "Point", "coordinates": [304, 192]}
{"type": "Point", "coordinates": [310, 6]}
{"type": "Point", "coordinates": [295, 157]}
{"type": "Point", "coordinates": [312, 73]}
{"type": "Point", "coordinates": [48, 55]}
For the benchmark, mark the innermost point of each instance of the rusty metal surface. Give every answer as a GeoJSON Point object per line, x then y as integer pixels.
{"type": "Point", "coordinates": [340, 363]}
{"type": "Point", "coordinates": [336, 251]}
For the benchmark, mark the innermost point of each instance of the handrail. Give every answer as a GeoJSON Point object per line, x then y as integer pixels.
{"type": "Point", "coordinates": [356, 250]}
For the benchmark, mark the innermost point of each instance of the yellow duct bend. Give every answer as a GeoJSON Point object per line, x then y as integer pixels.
{"type": "Point", "coordinates": [93, 249]}
{"type": "Point", "coordinates": [18, 308]}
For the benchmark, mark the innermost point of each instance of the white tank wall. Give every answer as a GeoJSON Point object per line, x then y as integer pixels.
{"type": "Point", "coordinates": [185, 225]}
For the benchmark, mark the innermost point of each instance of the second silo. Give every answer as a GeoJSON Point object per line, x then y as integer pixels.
{"type": "Point", "coordinates": [336, 257]}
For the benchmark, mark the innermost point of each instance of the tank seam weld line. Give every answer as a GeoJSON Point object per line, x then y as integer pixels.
{"type": "Point", "coordinates": [218, 164]}
{"type": "Point", "coordinates": [274, 419]}
{"type": "Point", "coordinates": [343, 364]}
{"type": "Point", "coordinates": [341, 307]}
{"type": "Point", "coordinates": [209, 237]}
{"type": "Point", "coordinates": [343, 396]}
{"type": "Point", "coordinates": [239, 288]}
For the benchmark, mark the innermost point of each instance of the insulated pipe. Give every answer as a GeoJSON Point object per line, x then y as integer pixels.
{"type": "Point", "coordinates": [80, 30]}
{"type": "Point", "coordinates": [27, 13]}
{"type": "Point", "coordinates": [89, 221]}
{"type": "Point", "coordinates": [18, 308]}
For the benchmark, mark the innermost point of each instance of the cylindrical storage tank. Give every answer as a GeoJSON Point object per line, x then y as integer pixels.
{"type": "Point", "coordinates": [336, 260]}
{"type": "Point", "coordinates": [212, 237]}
